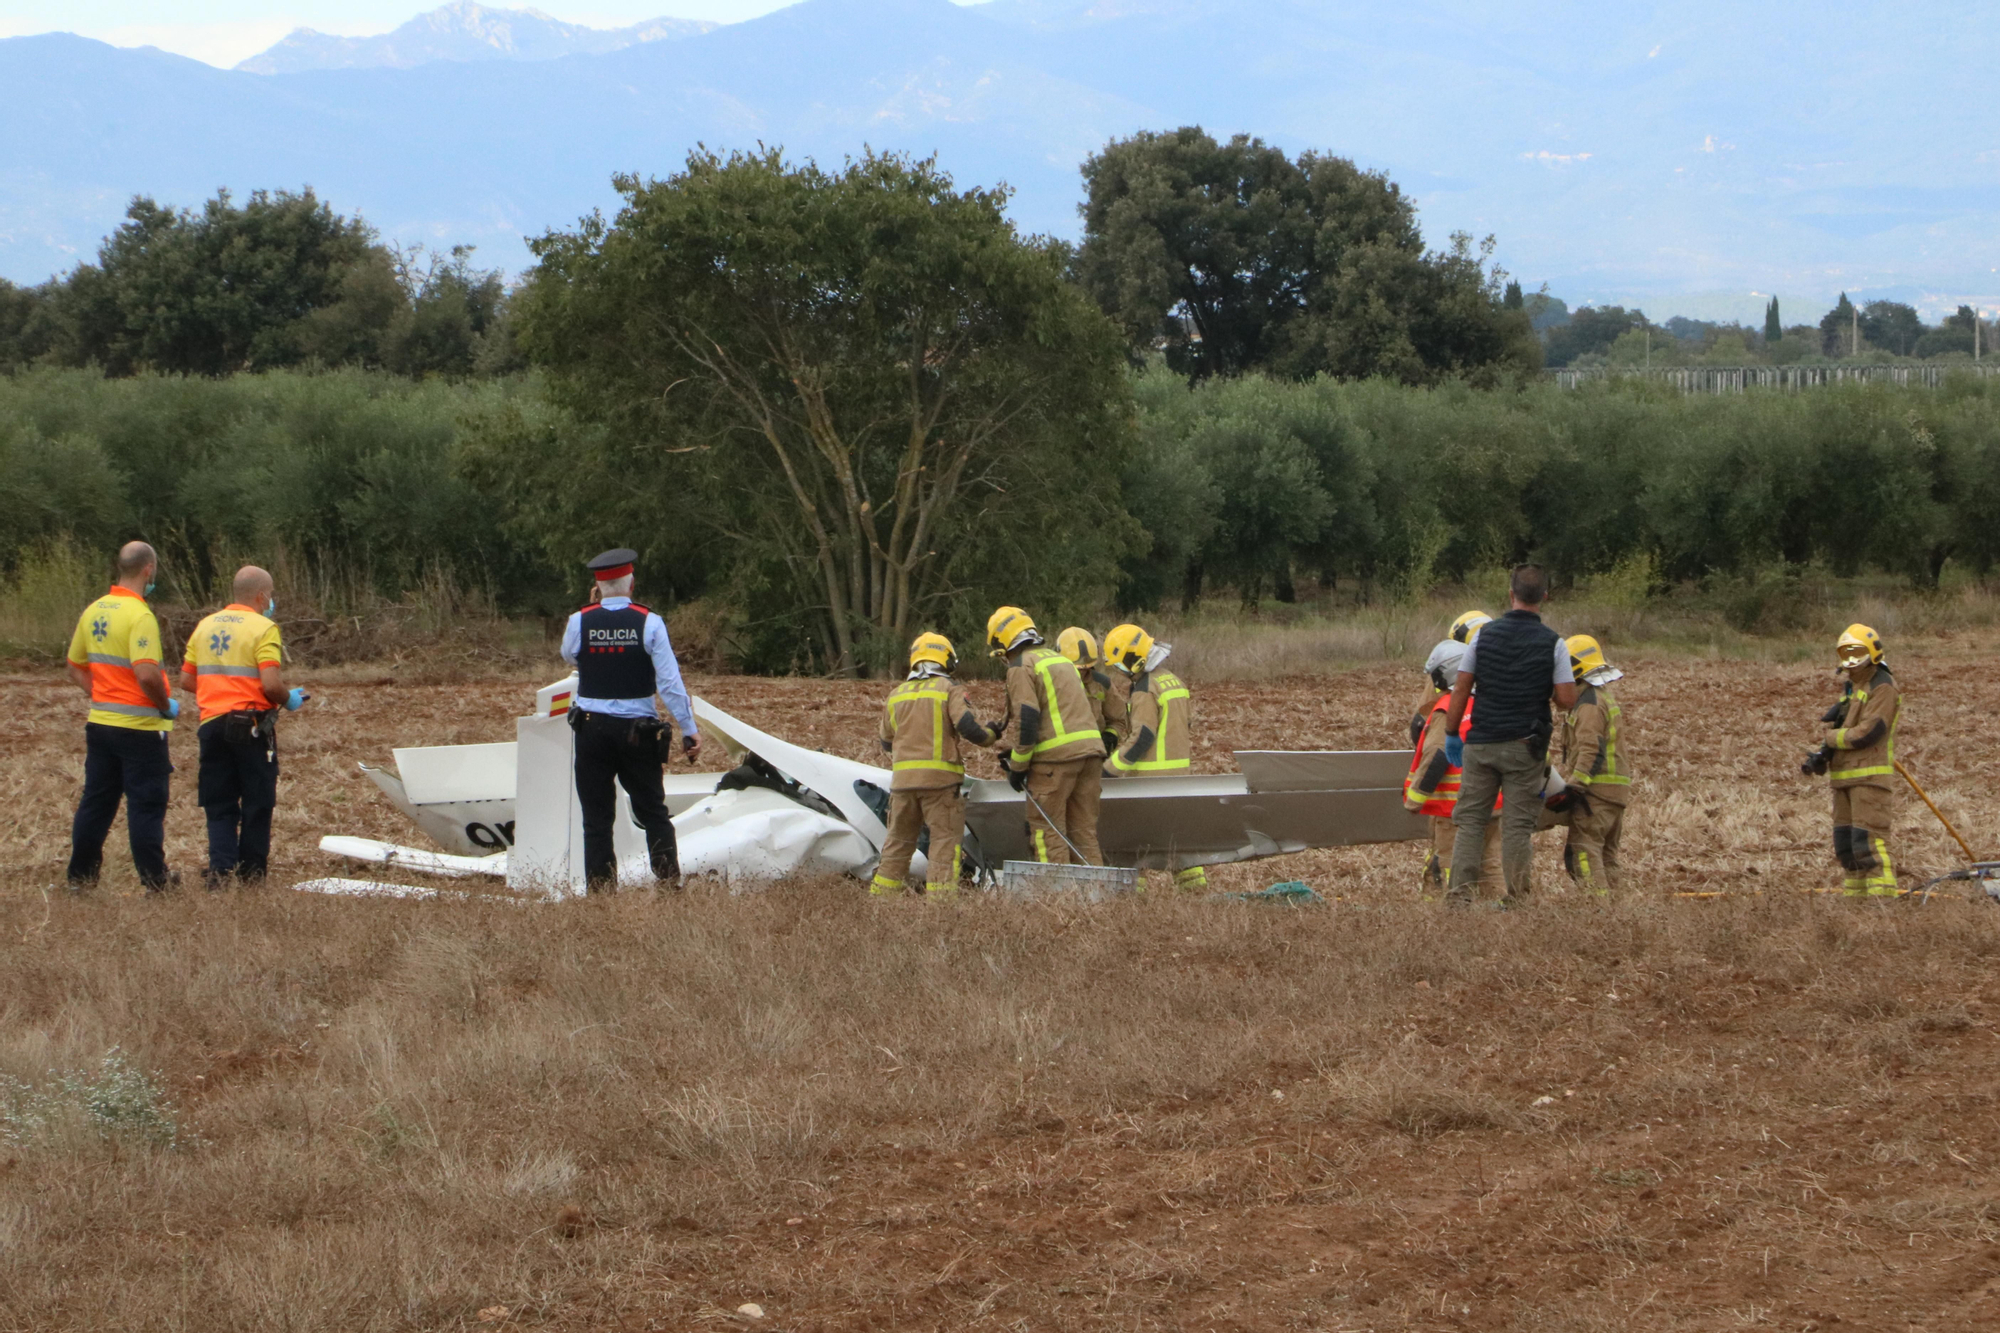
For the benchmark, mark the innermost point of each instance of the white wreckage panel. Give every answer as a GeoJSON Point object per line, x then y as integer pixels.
{"type": "Point", "coordinates": [510, 810]}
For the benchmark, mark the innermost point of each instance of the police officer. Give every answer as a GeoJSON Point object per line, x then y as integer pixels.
{"type": "Point", "coordinates": [233, 668]}
{"type": "Point", "coordinates": [114, 655]}
{"type": "Point", "coordinates": [623, 658]}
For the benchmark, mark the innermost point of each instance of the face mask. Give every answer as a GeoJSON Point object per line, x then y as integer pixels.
{"type": "Point", "coordinates": [270, 607]}
{"type": "Point", "coordinates": [150, 585]}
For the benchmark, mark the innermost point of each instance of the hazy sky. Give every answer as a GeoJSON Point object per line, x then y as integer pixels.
{"type": "Point", "coordinates": [223, 32]}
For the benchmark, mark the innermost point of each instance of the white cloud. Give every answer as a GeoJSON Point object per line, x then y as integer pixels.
{"type": "Point", "coordinates": [1547, 158]}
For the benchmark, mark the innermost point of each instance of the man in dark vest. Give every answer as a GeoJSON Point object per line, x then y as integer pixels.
{"type": "Point", "coordinates": [1518, 664]}
{"type": "Point", "coordinates": [623, 658]}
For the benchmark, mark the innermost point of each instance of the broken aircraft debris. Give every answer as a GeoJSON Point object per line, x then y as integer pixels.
{"type": "Point", "coordinates": [509, 810]}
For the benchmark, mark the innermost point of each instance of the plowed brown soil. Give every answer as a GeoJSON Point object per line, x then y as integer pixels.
{"type": "Point", "coordinates": [1771, 1109]}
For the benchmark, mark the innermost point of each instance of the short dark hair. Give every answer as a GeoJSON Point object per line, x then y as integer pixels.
{"type": "Point", "coordinates": [1530, 584]}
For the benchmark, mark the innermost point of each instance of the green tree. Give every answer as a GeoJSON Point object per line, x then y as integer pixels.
{"type": "Point", "coordinates": [1891, 326]}
{"type": "Point", "coordinates": [865, 380]}
{"type": "Point", "coordinates": [1229, 257]}
{"type": "Point", "coordinates": [1590, 329]}
{"type": "Point", "coordinates": [1837, 329]}
{"type": "Point", "coordinates": [1953, 335]}
{"type": "Point", "coordinates": [213, 292]}
{"type": "Point", "coordinates": [1774, 329]}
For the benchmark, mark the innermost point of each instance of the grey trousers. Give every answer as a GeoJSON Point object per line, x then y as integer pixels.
{"type": "Point", "coordinates": [1511, 770]}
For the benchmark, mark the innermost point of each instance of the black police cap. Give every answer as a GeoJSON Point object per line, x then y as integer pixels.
{"type": "Point", "coordinates": [613, 559]}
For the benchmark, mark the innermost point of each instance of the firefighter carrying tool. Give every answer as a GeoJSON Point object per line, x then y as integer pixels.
{"type": "Point", "coordinates": [1859, 756]}
{"type": "Point", "coordinates": [924, 720]}
{"type": "Point", "coordinates": [1058, 754]}
{"type": "Point", "coordinates": [1596, 771]}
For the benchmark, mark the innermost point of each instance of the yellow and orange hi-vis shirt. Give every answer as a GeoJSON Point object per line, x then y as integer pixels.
{"type": "Point", "coordinates": [117, 632]}
{"type": "Point", "coordinates": [225, 657]}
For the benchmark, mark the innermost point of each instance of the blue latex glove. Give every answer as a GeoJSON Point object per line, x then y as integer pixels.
{"type": "Point", "coordinates": [1454, 751]}
{"type": "Point", "coordinates": [173, 709]}
{"type": "Point", "coordinates": [295, 699]}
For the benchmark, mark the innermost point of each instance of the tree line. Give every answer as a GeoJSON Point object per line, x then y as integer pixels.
{"type": "Point", "coordinates": [1878, 331]}
{"type": "Point", "coordinates": [845, 405]}
{"type": "Point", "coordinates": [362, 484]}
{"type": "Point", "coordinates": [276, 282]}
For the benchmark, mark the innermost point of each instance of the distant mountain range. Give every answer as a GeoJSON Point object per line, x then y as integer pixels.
{"type": "Point", "coordinates": [1690, 157]}
{"type": "Point", "coordinates": [462, 31]}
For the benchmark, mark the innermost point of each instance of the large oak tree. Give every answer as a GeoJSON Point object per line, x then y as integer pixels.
{"type": "Point", "coordinates": [865, 373]}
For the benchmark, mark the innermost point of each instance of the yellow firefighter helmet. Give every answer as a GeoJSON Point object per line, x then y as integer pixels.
{"type": "Point", "coordinates": [1858, 644]}
{"type": "Point", "coordinates": [933, 648]}
{"type": "Point", "coordinates": [1007, 627]}
{"type": "Point", "coordinates": [1078, 645]}
{"type": "Point", "coordinates": [1127, 647]}
{"type": "Point", "coordinates": [1467, 625]}
{"type": "Point", "coordinates": [1585, 655]}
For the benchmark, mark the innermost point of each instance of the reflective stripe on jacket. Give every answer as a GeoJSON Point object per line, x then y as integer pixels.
{"type": "Point", "coordinates": [1864, 745]}
{"type": "Point", "coordinates": [1051, 713]}
{"type": "Point", "coordinates": [1158, 715]}
{"type": "Point", "coordinates": [116, 633]}
{"type": "Point", "coordinates": [1591, 760]}
{"type": "Point", "coordinates": [225, 656]}
{"type": "Point", "coordinates": [923, 721]}
{"type": "Point", "coordinates": [1432, 785]}
{"type": "Point", "coordinates": [1106, 704]}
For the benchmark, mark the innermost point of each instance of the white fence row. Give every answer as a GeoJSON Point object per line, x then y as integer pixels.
{"type": "Point", "coordinates": [1735, 379]}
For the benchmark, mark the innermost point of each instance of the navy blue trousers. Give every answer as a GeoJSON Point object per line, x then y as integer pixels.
{"type": "Point", "coordinates": [611, 749]}
{"type": "Point", "coordinates": [122, 763]}
{"type": "Point", "coordinates": [238, 791]}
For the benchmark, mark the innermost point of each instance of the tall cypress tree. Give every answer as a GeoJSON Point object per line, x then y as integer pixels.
{"type": "Point", "coordinates": [1773, 330]}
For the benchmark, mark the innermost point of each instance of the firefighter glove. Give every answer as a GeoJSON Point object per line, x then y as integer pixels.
{"type": "Point", "coordinates": [1454, 751]}
{"type": "Point", "coordinates": [1816, 763]}
{"type": "Point", "coordinates": [1017, 778]}
{"type": "Point", "coordinates": [1835, 715]}
{"type": "Point", "coordinates": [1110, 739]}
{"type": "Point", "coordinates": [1562, 800]}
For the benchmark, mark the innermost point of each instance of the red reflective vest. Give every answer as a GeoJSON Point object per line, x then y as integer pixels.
{"type": "Point", "coordinates": [1445, 799]}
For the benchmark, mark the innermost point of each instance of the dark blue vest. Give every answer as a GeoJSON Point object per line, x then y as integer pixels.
{"type": "Point", "coordinates": [612, 661]}
{"type": "Point", "coordinates": [1514, 668]}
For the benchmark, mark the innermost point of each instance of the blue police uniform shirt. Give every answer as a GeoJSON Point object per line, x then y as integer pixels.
{"type": "Point", "coordinates": [666, 671]}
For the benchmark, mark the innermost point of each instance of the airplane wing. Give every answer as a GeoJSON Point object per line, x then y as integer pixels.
{"type": "Point", "coordinates": [1280, 801]}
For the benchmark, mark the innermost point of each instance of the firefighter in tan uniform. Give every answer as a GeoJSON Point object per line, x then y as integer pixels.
{"type": "Point", "coordinates": [1431, 789]}
{"type": "Point", "coordinates": [1106, 700]}
{"type": "Point", "coordinates": [1158, 716]}
{"type": "Point", "coordinates": [1058, 755]}
{"type": "Point", "coordinates": [1859, 755]}
{"type": "Point", "coordinates": [924, 721]}
{"type": "Point", "coordinates": [1596, 772]}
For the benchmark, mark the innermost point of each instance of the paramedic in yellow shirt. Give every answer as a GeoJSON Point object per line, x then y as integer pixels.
{"type": "Point", "coordinates": [233, 668]}
{"type": "Point", "coordinates": [115, 657]}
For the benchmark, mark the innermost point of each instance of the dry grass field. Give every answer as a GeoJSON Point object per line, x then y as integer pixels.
{"type": "Point", "coordinates": [273, 1111]}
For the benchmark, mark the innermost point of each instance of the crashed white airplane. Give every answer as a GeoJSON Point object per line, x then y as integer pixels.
{"type": "Point", "coordinates": [510, 810]}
